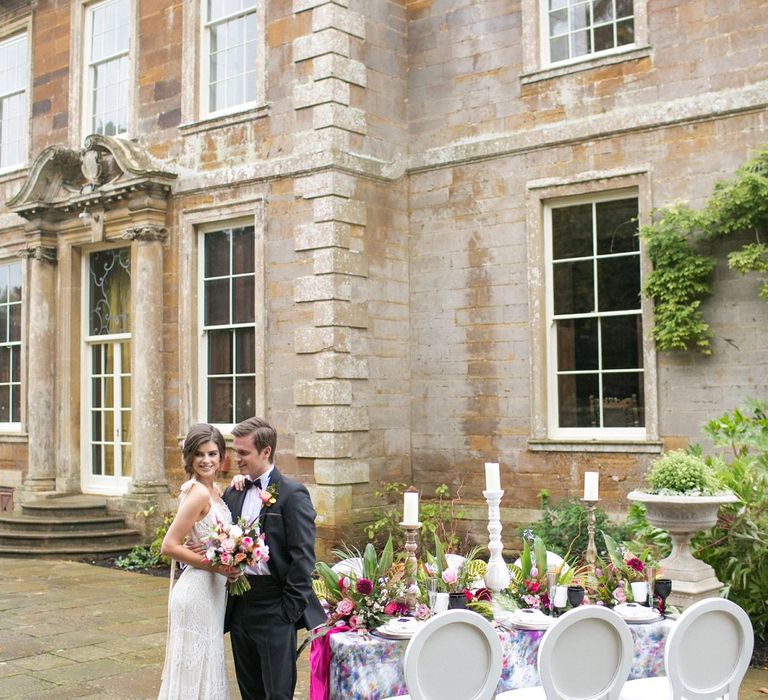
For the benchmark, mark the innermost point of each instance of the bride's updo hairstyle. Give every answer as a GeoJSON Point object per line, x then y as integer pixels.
{"type": "Point", "coordinates": [198, 435]}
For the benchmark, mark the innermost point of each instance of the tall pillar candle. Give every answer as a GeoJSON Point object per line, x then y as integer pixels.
{"type": "Point", "coordinates": [411, 508]}
{"type": "Point", "coordinates": [492, 479]}
{"type": "Point", "coordinates": [590, 486]}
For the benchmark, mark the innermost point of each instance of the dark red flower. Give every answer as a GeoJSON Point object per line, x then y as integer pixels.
{"type": "Point", "coordinates": [364, 586]}
{"type": "Point", "coordinates": [483, 594]}
{"type": "Point", "coordinates": [636, 564]}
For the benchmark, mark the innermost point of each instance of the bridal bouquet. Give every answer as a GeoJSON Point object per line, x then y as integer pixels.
{"type": "Point", "coordinates": [239, 544]}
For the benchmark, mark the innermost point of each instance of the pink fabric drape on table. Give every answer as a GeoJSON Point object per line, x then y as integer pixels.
{"type": "Point", "coordinates": [320, 665]}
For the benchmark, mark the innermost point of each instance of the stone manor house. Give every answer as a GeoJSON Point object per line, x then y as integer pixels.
{"type": "Point", "coordinates": [402, 230]}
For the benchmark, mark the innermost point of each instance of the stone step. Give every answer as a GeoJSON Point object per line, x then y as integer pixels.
{"type": "Point", "coordinates": [29, 523]}
{"type": "Point", "coordinates": [61, 551]}
{"type": "Point", "coordinates": [102, 540]}
{"type": "Point", "coordinates": [65, 507]}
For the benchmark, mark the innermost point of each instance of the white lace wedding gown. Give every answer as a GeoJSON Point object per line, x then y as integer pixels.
{"type": "Point", "coordinates": [194, 655]}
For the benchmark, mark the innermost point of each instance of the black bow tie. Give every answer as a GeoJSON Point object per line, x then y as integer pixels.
{"type": "Point", "coordinates": [248, 483]}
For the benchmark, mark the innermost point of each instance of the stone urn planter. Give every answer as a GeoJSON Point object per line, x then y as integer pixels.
{"type": "Point", "coordinates": [682, 517]}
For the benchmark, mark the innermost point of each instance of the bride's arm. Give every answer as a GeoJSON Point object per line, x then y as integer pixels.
{"type": "Point", "coordinates": [192, 508]}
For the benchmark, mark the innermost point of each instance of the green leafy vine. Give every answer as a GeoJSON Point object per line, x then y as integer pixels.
{"type": "Point", "coordinates": [680, 242]}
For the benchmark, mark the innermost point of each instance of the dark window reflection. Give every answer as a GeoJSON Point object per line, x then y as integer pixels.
{"type": "Point", "coordinates": [617, 226]}
{"type": "Point", "coordinates": [572, 232]}
{"type": "Point", "coordinates": [618, 283]}
{"type": "Point", "coordinates": [622, 342]}
{"type": "Point", "coordinates": [574, 392]}
{"type": "Point", "coordinates": [577, 344]}
{"type": "Point", "coordinates": [574, 287]}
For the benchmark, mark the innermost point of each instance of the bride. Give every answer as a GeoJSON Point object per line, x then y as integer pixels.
{"type": "Point", "coordinates": [194, 656]}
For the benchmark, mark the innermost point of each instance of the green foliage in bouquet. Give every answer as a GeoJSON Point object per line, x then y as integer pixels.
{"type": "Point", "coordinates": [737, 547]}
{"type": "Point", "coordinates": [563, 526]}
{"type": "Point", "coordinates": [438, 516]}
{"type": "Point", "coordinates": [682, 473]}
{"type": "Point", "coordinates": [528, 586]}
{"type": "Point", "coordinates": [450, 579]}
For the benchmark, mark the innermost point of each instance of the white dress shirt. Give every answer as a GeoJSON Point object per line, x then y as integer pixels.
{"type": "Point", "coordinates": [250, 512]}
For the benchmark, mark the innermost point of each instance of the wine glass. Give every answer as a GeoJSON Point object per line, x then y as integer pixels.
{"type": "Point", "coordinates": [662, 588]}
{"type": "Point", "coordinates": [575, 595]}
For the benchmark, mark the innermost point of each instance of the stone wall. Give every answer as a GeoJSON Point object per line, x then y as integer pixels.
{"type": "Point", "coordinates": [396, 169]}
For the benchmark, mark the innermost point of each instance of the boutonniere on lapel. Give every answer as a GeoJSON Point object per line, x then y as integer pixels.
{"type": "Point", "coordinates": [269, 496]}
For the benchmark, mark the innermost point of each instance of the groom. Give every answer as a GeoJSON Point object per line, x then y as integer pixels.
{"type": "Point", "coordinates": [262, 622]}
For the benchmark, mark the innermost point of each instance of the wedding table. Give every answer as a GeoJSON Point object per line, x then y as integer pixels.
{"type": "Point", "coordinates": [366, 667]}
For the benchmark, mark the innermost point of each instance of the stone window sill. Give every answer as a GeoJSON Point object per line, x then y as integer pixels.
{"type": "Point", "coordinates": [13, 437]}
{"type": "Point", "coordinates": [223, 120]}
{"type": "Point", "coordinates": [557, 71]}
{"type": "Point", "coordinates": [627, 446]}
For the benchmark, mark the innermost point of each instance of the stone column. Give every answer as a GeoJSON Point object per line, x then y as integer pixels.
{"type": "Point", "coordinates": [41, 359]}
{"type": "Point", "coordinates": [148, 482]}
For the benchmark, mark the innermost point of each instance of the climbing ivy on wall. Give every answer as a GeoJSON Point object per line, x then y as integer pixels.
{"type": "Point", "coordinates": [681, 245]}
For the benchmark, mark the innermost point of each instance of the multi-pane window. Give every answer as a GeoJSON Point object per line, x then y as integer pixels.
{"type": "Point", "coordinates": [10, 344]}
{"type": "Point", "coordinates": [231, 32]}
{"type": "Point", "coordinates": [229, 331]}
{"type": "Point", "coordinates": [596, 355]}
{"type": "Point", "coordinates": [584, 27]}
{"type": "Point", "coordinates": [108, 39]}
{"type": "Point", "coordinates": [13, 100]}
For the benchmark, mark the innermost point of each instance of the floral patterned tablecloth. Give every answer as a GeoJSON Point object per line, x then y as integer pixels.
{"type": "Point", "coordinates": [365, 667]}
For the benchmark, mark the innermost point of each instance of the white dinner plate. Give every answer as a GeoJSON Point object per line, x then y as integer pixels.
{"type": "Point", "coordinates": [634, 613]}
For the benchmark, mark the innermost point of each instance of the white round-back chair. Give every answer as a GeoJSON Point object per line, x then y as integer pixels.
{"type": "Point", "coordinates": [585, 654]}
{"type": "Point", "coordinates": [456, 655]}
{"type": "Point", "coordinates": [706, 655]}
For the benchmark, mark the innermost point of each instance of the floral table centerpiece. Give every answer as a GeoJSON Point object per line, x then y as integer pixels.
{"type": "Point", "coordinates": [610, 582]}
{"type": "Point", "coordinates": [367, 600]}
{"type": "Point", "coordinates": [530, 585]}
{"type": "Point", "coordinates": [460, 577]}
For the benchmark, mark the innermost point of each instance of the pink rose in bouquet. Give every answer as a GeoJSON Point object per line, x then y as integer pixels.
{"type": "Point", "coordinates": [239, 544]}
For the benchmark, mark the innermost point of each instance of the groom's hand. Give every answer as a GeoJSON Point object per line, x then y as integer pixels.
{"type": "Point", "coordinates": [196, 547]}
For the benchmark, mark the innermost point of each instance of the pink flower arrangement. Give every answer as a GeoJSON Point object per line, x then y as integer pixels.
{"type": "Point", "coordinates": [238, 544]}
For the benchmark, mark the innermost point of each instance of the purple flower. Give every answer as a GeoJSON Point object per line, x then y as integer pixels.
{"type": "Point", "coordinates": [364, 586]}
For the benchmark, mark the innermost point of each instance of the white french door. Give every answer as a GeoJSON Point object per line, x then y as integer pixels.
{"type": "Point", "coordinates": [106, 372]}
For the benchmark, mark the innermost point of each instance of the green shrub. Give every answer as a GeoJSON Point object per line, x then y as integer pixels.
{"type": "Point", "coordinates": [737, 547]}
{"type": "Point", "coordinates": [148, 556]}
{"type": "Point", "coordinates": [439, 517]}
{"type": "Point", "coordinates": [682, 473]}
{"type": "Point", "coordinates": [563, 526]}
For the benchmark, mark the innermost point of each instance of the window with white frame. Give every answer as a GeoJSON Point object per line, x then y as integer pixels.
{"type": "Point", "coordinates": [107, 67]}
{"type": "Point", "coordinates": [578, 28]}
{"type": "Point", "coordinates": [595, 356]}
{"type": "Point", "coordinates": [14, 75]}
{"type": "Point", "coordinates": [10, 345]}
{"type": "Point", "coordinates": [228, 351]}
{"type": "Point", "coordinates": [230, 54]}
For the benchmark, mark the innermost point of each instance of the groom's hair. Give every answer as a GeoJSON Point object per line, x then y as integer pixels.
{"type": "Point", "coordinates": [262, 433]}
{"type": "Point", "coordinates": [198, 435]}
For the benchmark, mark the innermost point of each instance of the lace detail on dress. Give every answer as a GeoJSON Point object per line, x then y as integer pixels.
{"type": "Point", "coordinates": [195, 664]}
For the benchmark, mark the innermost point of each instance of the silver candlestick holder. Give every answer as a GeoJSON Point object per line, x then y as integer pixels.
{"type": "Point", "coordinates": [591, 555]}
{"type": "Point", "coordinates": [497, 577]}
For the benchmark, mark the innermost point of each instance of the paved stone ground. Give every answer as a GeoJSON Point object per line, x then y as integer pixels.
{"type": "Point", "coordinates": [71, 630]}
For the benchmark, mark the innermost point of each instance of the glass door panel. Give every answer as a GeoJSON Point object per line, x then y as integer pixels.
{"type": "Point", "coordinates": [107, 365]}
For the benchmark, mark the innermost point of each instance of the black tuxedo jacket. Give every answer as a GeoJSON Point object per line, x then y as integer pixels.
{"type": "Point", "coordinates": [289, 531]}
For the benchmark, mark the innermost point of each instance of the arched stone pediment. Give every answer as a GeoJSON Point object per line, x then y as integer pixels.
{"type": "Point", "coordinates": [106, 170]}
